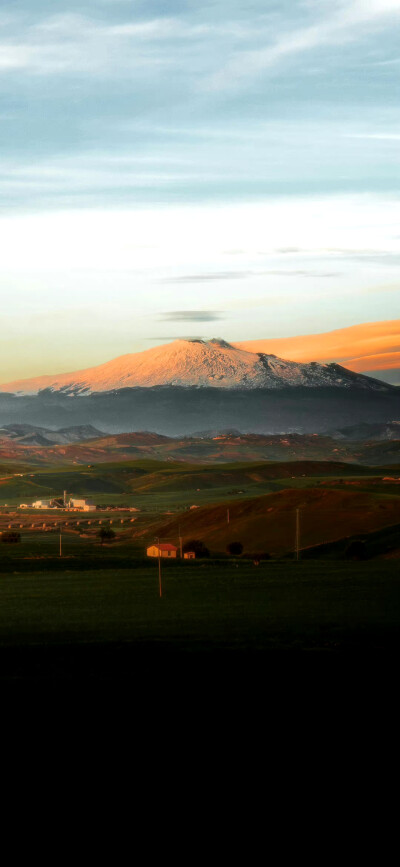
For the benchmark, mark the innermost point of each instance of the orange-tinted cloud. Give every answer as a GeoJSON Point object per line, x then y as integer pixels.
{"type": "Point", "coordinates": [383, 361]}
{"type": "Point", "coordinates": [371, 346]}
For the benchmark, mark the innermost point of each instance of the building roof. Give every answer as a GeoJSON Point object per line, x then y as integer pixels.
{"type": "Point", "coordinates": [165, 546]}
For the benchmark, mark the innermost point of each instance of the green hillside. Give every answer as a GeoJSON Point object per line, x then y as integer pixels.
{"type": "Point", "coordinates": [268, 523]}
{"type": "Point", "coordinates": [162, 485]}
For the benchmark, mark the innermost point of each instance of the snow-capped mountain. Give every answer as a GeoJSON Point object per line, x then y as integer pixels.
{"type": "Point", "coordinates": [196, 364]}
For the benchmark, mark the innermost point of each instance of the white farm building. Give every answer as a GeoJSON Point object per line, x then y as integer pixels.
{"type": "Point", "coordinates": [81, 505]}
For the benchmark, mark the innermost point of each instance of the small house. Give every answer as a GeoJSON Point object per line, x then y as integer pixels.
{"type": "Point", "coordinates": [189, 555]}
{"type": "Point", "coordinates": [163, 549]}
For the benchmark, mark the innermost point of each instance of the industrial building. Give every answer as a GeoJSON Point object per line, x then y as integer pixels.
{"type": "Point", "coordinates": [81, 505]}
{"type": "Point", "coordinates": [75, 504]}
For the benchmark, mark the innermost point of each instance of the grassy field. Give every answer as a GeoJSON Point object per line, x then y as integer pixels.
{"type": "Point", "coordinates": [96, 611]}
{"type": "Point", "coordinates": [265, 524]}
{"type": "Point", "coordinates": [268, 523]}
{"type": "Point", "coordinates": [254, 504]}
{"type": "Point", "coordinates": [160, 486]}
{"type": "Point", "coordinates": [80, 623]}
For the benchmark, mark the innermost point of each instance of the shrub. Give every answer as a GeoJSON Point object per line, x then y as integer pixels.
{"type": "Point", "coordinates": [11, 538]}
{"type": "Point", "coordinates": [235, 549]}
{"type": "Point", "coordinates": [198, 547]}
{"type": "Point", "coordinates": [356, 550]}
{"type": "Point", "coordinates": [106, 534]}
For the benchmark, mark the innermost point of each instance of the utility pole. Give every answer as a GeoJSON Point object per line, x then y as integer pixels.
{"type": "Point", "coordinates": [180, 542]}
{"type": "Point", "coordinates": [60, 544]}
{"type": "Point", "coordinates": [227, 516]}
{"type": "Point", "coordinates": [159, 568]}
{"type": "Point", "coordinates": [297, 533]}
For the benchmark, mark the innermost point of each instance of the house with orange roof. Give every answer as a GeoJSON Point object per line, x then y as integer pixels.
{"type": "Point", "coordinates": [162, 549]}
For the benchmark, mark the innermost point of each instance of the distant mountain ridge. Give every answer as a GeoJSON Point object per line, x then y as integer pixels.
{"type": "Point", "coordinates": [197, 364]}
{"type": "Point", "coordinates": [32, 435]}
{"type": "Point", "coordinates": [365, 431]}
{"type": "Point", "coordinates": [32, 445]}
{"type": "Point", "coordinates": [181, 411]}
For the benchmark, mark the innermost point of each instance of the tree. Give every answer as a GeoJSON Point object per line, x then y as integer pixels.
{"type": "Point", "coordinates": [235, 549]}
{"type": "Point", "coordinates": [106, 534]}
{"type": "Point", "coordinates": [197, 546]}
{"type": "Point", "coordinates": [11, 538]}
{"type": "Point", "coordinates": [356, 550]}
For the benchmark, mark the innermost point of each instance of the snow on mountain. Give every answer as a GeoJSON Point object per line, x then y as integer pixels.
{"type": "Point", "coordinates": [28, 434]}
{"type": "Point", "coordinates": [198, 364]}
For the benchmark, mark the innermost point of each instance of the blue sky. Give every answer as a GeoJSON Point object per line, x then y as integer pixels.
{"type": "Point", "coordinates": [182, 168]}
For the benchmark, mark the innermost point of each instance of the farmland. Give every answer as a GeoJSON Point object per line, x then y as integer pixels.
{"type": "Point", "coordinates": [161, 485]}
{"type": "Point", "coordinates": [255, 504]}
{"type": "Point", "coordinates": [88, 609]}
{"type": "Point", "coordinates": [99, 623]}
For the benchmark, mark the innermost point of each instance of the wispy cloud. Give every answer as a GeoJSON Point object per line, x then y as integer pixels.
{"type": "Point", "coordinates": [345, 22]}
{"type": "Point", "coordinates": [191, 316]}
{"type": "Point", "coordinates": [224, 51]}
{"type": "Point", "coordinates": [163, 156]}
{"type": "Point", "coordinates": [205, 278]}
{"type": "Point", "coordinates": [383, 136]}
{"type": "Point", "coordinates": [245, 275]}
{"type": "Point", "coordinates": [74, 44]}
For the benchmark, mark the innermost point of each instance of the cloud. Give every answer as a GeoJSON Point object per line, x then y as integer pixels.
{"type": "Point", "coordinates": [74, 43]}
{"type": "Point", "coordinates": [371, 345]}
{"type": "Point", "coordinates": [380, 136]}
{"type": "Point", "coordinates": [77, 42]}
{"type": "Point", "coordinates": [205, 278]}
{"type": "Point", "coordinates": [216, 51]}
{"type": "Point", "coordinates": [191, 316]}
{"type": "Point", "coordinates": [288, 250]}
{"type": "Point", "coordinates": [244, 275]}
{"type": "Point", "coordinates": [346, 23]}
{"type": "Point", "coordinates": [279, 272]}
{"type": "Point", "coordinates": [384, 257]}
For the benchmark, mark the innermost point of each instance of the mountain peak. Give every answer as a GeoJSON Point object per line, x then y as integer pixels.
{"type": "Point", "coordinates": [213, 341]}
{"type": "Point", "coordinates": [218, 341]}
{"type": "Point", "coordinates": [196, 363]}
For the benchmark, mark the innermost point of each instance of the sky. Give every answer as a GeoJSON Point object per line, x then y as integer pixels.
{"type": "Point", "coordinates": [185, 169]}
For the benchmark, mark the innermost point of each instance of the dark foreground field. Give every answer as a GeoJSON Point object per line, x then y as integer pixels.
{"type": "Point", "coordinates": [104, 623]}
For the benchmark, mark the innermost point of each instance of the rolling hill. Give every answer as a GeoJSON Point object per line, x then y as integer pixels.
{"type": "Point", "coordinates": [218, 449]}
{"type": "Point", "coordinates": [160, 485]}
{"type": "Point", "coordinates": [268, 523]}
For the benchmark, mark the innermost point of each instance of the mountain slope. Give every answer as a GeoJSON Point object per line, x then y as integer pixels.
{"type": "Point", "coordinates": [196, 364]}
